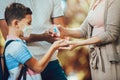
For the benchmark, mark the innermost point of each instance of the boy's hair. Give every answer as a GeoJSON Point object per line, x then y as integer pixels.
{"type": "Point", "coordinates": [16, 11]}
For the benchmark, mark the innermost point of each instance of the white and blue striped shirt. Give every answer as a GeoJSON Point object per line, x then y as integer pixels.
{"type": "Point", "coordinates": [16, 53]}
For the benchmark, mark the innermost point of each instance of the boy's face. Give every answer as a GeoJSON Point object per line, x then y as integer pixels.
{"type": "Point", "coordinates": [24, 22]}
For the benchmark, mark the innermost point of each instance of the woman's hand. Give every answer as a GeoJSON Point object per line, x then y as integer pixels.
{"type": "Point", "coordinates": [71, 45]}
{"type": "Point", "coordinates": [62, 31]}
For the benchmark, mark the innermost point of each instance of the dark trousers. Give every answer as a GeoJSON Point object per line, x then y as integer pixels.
{"type": "Point", "coordinates": [53, 72]}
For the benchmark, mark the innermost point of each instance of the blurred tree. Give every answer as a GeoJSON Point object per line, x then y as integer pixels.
{"type": "Point", "coordinates": [1, 43]}
{"type": "Point", "coordinates": [76, 12]}
{"type": "Point", "coordinates": [76, 61]}
{"type": "Point", "coordinates": [1, 49]}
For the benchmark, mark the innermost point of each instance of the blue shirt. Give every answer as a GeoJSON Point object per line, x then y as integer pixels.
{"type": "Point", "coordinates": [16, 53]}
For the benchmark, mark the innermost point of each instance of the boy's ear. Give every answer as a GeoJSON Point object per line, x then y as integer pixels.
{"type": "Point", "coordinates": [15, 23]}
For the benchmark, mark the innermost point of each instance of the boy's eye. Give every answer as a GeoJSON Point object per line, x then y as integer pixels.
{"type": "Point", "coordinates": [29, 23]}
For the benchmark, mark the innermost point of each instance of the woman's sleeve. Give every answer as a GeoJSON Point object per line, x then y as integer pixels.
{"type": "Point", "coordinates": [84, 29]}
{"type": "Point", "coordinates": [112, 28]}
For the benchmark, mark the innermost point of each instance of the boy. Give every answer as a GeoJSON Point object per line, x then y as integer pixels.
{"type": "Point", "coordinates": [18, 18]}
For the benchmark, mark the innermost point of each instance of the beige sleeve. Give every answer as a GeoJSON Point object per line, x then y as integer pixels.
{"type": "Point", "coordinates": [112, 28]}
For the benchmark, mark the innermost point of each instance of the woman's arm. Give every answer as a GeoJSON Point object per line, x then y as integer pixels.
{"type": "Point", "coordinates": [75, 32]}
{"type": "Point", "coordinates": [112, 27]}
{"type": "Point", "coordinates": [93, 40]}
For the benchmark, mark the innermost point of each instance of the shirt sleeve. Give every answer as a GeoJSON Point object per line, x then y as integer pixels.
{"type": "Point", "coordinates": [2, 9]}
{"type": "Point", "coordinates": [57, 10]}
{"type": "Point", "coordinates": [3, 5]}
{"type": "Point", "coordinates": [20, 52]}
{"type": "Point", "coordinates": [84, 29]}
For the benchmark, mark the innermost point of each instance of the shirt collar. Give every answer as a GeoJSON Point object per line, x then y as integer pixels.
{"type": "Point", "coordinates": [13, 37]}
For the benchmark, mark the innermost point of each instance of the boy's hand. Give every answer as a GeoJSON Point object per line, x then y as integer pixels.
{"type": "Point", "coordinates": [60, 43]}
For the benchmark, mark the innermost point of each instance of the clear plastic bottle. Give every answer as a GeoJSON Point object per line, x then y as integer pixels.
{"type": "Point", "coordinates": [56, 30]}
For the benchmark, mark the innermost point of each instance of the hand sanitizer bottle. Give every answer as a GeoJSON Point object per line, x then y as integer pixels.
{"type": "Point", "coordinates": [56, 30]}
